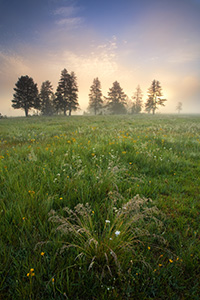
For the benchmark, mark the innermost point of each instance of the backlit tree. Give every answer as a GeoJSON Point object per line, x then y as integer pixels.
{"type": "Point", "coordinates": [95, 96]}
{"type": "Point", "coordinates": [137, 103]}
{"type": "Point", "coordinates": [116, 99]}
{"type": "Point", "coordinates": [26, 95]}
{"type": "Point", "coordinates": [46, 97]}
{"type": "Point", "coordinates": [154, 97]}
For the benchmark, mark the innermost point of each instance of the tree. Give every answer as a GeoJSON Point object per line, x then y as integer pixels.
{"type": "Point", "coordinates": [179, 107]}
{"type": "Point", "coordinates": [26, 95]}
{"type": "Point", "coordinates": [66, 93]}
{"type": "Point", "coordinates": [73, 93]}
{"type": "Point", "coordinates": [46, 98]}
{"type": "Point", "coordinates": [137, 104]}
{"type": "Point", "coordinates": [154, 97]}
{"type": "Point", "coordinates": [116, 99]}
{"type": "Point", "coordinates": [95, 96]}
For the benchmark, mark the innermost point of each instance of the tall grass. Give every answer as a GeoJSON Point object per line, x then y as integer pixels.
{"type": "Point", "coordinates": [48, 164]}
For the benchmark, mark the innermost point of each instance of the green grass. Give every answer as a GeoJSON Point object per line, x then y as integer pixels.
{"type": "Point", "coordinates": [56, 162]}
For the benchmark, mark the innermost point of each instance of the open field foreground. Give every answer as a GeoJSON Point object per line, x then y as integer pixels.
{"type": "Point", "coordinates": [102, 207]}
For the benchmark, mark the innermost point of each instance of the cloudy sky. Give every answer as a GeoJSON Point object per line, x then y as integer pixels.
{"type": "Point", "coordinates": [130, 41]}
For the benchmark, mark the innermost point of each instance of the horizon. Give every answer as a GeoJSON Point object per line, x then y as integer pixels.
{"type": "Point", "coordinates": [134, 44]}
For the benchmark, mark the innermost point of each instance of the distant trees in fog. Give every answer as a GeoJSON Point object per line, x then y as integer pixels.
{"type": "Point", "coordinates": [65, 99]}
{"type": "Point", "coordinates": [179, 107]}
{"type": "Point", "coordinates": [95, 97]}
{"type": "Point", "coordinates": [154, 97]}
{"type": "Point", "coordinates": [118, 102]}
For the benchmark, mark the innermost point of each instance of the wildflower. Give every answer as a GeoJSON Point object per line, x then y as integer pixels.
{"type": "Point", "coordinates": [117, 232]}
{"type": "Point", "coordinates": [28, 274]}
{"type": "Point", "coordinates": [154, 270]}
{"type": "Point", "coordinates": [170, 260]}
{"type": "Point", "coordinates": [161, 255]}
{"type": "Point", "coordinates": [160, 265]}
{"type": "Point", "coordinates": [61, 198]}
{"type": "Point", "coordinates": [31, 270]}
{"type": "Point", "coordinates": [149, 248]}
{"type": "Point", "coordinates": [53, 280]}
{"type": "Point", "coordinates": [93, 212]}
{"type": "Point", "coordinates": [42, 253]}
{"type": "Point", "coordinates": [93, 154]}
{"type": "Point", "coordinates": [107, 221]}
{"type": "Point", "coordinates": [23, 218]}
{"type": "Point", "coordinates": [123, 152]}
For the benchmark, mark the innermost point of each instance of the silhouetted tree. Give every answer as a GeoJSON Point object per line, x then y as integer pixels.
{"type": "Point", "coordinates": [46, 98]}
{"type": "Point", "coordinates": [179, 107]}
{"type": "Point", "coordinates": [61, 99]}
{"type": "Point", "coordinates": [73, 93]}
{"type": "Point", "coordinates": [26, 95]}
{"type": "Point", "coordinates": [95, 96]}
{"type": "Point", "coordinates": [116, 99]}
{"type": "Point", "coordinates": [154, 97]}
{"type": "Point", "coordinates": [137, 104]}
{"type": "Point", "coordinates": [66, 93]}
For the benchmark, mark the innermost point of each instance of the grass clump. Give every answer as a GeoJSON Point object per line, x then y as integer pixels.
{"type": "Point", "coordinates": [107, 246]}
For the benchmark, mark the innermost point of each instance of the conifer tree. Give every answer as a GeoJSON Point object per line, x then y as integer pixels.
{"type": "Point", "coordinates": [179, 107]}
{"type": "Point", "coordinates": [73, 93]}
{"type": "Point", "coordinates": [61, 99]}
{"type": "Point", "coordinates": [154, 97]}
{"type": "Point", "coordinates": [46, 97]}
{"type": "Point", "coordinates": [95, 96]}
{"type": "Point", "coordinates": [116, 99]}
{"type": "Point", "coordinates": [137, 104]}
{"type": "Point", "coordinates": [26, 95]}
{"type": "Point", "coordinates": [67, 93]}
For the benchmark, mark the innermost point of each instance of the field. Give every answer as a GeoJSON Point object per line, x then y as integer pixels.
{"type": "Point", "coordinates": [102, 207]}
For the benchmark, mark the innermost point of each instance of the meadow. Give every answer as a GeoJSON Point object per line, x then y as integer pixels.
{"type": "Point", "coordinates": [103, 207]}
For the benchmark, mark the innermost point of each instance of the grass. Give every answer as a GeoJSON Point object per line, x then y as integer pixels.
{"type": "Point", "coordinates": [100, 163]}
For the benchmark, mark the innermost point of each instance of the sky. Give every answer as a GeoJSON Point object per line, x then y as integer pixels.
{"type": "Point", "coordinates": [133, 42]}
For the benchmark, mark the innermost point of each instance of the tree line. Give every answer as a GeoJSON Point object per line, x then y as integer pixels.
{"type": "Point", "coordinates": [65, 99]}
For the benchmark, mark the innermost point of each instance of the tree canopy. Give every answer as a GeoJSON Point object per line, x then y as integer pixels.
{"type": "Point", "coordinates": [67, 93]}
{"type": "Point", "coordinates": [46, 98]}
{"type": "Point", "coordinates": [26, 95]}
{"type": "Point", "coordinates": [116, 99]}
{"type": "Point", "coordinates": [137, 101]}
{"type": "Point", "coordinates": [95, 96]}
{"type": "Point", "coordinates": [154, 97]}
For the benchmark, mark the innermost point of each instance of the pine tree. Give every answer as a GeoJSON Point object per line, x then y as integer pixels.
{"type": "Point", "coordinates": [26, 95]}
{"type": "Point", "coordinates": [154, 97]}
{"type": "Point", "coordinates": [116, 99]}
{"type": "Point", "coordinates": [61, 99]}
{"type": "Point", "coordinates": [137, 104]}
{"type": "Point", "coordinates": [179, 107]}
{"type": "Point", "coordinates": [46, 97]}
{"type": "Point", "coordinates": [67, 93]}
{"type": "Point", "coordinates": [73, 93]}
{"type": "Point", "coordinates": [95, 96]}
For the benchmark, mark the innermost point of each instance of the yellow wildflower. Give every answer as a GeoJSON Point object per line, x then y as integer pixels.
{"type": "Point", "coordinates": [42, 253]}
{"type": "Point", "coordinates": [170, 260]}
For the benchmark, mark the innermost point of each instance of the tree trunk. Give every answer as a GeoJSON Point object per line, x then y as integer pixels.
{"type": "Point", "coordinates": [26, 111]}
{"type": "Point", "coordinates": [70, 112]}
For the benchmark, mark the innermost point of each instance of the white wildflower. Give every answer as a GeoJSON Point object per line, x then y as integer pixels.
{"type": "Point", "coordinates": [117, 232]}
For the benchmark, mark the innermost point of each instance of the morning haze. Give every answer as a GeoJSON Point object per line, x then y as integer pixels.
{"type": "Point", "coordinates": [132, 42]}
